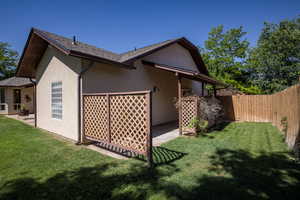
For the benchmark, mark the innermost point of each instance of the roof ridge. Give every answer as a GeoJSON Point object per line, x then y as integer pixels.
{"type": "Point", "coordinates": [79, 42]}
{"type": "Point", "coordinates": [146, 46]}
{"type": "Point", "coordinates": [81, 47]}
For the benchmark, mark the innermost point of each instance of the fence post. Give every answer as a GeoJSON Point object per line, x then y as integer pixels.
{"type": "Point", "coordinates": [83, 139]}
{"type": "Point", "coordinates": [108, 118]}
{"type": "Point", "coordinates": [180, 104]}
{"type": "Point", "coordinates": [149, 127]}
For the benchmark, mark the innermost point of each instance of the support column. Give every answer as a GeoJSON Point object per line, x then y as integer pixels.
{"type": "Point", "coordinates": [202, 89]}
{"type": "Point", "coordinates": [179, 103]}
{"type": "Point", "coordinates": [215, 91]}
{"type": "Point", "coordinates": [149, 127]}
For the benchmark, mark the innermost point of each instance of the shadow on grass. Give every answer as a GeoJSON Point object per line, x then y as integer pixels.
{"type": "Point", "coordinates": [163, 156]}
{"type": "Point", "coordinates": [219, 127]}
{"type": "Point", "coordinates": [234, 175]}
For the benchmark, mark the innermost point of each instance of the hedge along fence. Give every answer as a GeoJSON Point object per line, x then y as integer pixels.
{"type": "Point", "coordinates": [268, 108]}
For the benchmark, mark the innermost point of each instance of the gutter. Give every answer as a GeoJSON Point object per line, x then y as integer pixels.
{"type": "Point", "coordinates": [80, 103]}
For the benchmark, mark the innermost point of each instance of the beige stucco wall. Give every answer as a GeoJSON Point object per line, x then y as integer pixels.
{"type": "Point", "coordinates": [55, 66]}
{"type": "Point", "coordinates": [177, 56]}
{"type": "Point", "coordinates": [107, 78]}
{"type": "Point", "coordinates": [174, 55]}
{"type": "Point", "coordinates": [9, 99]}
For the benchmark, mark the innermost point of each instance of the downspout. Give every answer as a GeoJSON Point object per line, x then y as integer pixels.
{"type": "Point", "coordinates": [80, 140]}
{"type": "Point", "coordinates": [34, 101]}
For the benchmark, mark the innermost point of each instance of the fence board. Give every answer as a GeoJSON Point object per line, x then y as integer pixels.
{"type": "Point", "coordinates": [268, 108]}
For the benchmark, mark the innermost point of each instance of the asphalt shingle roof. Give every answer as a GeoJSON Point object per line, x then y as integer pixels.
{"type": "Point", "coordinates": [67, 43]}
{"type": "Point", "coordinates": [15, 82]}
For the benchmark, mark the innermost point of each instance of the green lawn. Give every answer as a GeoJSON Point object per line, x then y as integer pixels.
{"type": "Point", "coordinates": [239, 161]}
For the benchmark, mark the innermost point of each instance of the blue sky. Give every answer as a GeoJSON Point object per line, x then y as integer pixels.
{"type": "Point", "coordinates": [121, 25]}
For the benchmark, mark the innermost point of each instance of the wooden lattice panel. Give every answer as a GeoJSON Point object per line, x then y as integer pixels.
{"type": "Point", "coordinates": [129, 121]}
{"type": "Point", "coordinates": [189, 110]}
{"type": "Point", "coordinates": [95, 117]}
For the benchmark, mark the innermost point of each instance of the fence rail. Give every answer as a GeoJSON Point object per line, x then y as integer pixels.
{"type": "Point", "coordinates": [268, 108]}
{"type": "Point", "coordinates": [119, 119]}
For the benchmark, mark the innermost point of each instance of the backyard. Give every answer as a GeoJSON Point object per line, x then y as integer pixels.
{"type": "Point", "coordinates": [237, 161]}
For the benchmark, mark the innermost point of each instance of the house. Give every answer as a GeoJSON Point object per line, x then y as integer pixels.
{"type": "Point", "coordinates": [65, 68]}
{"type": "Point", "coordinates": [14, 93]}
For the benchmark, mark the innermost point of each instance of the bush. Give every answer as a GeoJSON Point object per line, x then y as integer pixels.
{"type": "Point", "coordinates": [199, 125]}
{"type": "Point", "coordinates": [211, 110]}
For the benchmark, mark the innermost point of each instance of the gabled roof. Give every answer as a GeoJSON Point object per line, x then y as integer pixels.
{"type": "Point", "coordinates": [39, 40]}
{"type": "Point", "coordinates": [15, 82]}
{"type": "Point", "coordinates": [67, 44]}
{"type": "Point", "coordinates": [141, 51]}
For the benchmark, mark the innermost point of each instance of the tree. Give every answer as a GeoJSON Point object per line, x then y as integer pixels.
{"type": "Point", "coordinates": [225, 56]}
{"type": "Point", "coordinates": [275, 61]}
{"type": "Point", "coordinates": [8, 61]}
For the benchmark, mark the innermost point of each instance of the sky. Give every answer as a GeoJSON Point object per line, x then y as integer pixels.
{"type": "Point", "coordinates": [122, 25]}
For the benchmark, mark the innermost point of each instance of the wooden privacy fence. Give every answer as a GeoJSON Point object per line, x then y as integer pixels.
{"type": "Point", "coordinates": [119, 119]}
{"type": "Point", "coordinates": [268, 108]}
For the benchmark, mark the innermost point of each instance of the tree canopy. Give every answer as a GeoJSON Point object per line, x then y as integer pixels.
{"type": "Point", "coordinates": [271, 66]}
{"type": "Point", "coordinates": [8, 61]}
{"type": "Point", "coordinates": [225, 55]}
{"type": "Point", "coordinates": [275, 61]}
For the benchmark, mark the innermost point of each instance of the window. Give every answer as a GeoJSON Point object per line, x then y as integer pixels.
{"type": "Point", "coordinates": [2, 95]}
{"type": "Point", "coordinates": [2, 99]}
{"type": "Point", "coordinates": [56, 100]}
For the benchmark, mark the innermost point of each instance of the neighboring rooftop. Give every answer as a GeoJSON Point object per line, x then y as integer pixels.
{"type": "Point", "coordinates": [15, 82]}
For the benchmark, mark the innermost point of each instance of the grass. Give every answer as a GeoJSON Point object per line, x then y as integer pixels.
{"type": "Point", "coordinates": [238, 161]}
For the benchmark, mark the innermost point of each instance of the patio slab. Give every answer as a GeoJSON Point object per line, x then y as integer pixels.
{"type": "Point", "coordinates": [26, 119]}
{"type": "Point", "coordinates": [164, 133]}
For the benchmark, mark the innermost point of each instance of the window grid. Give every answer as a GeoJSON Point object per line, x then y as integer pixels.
{"type": "Point", "coordinates": [56, 100]}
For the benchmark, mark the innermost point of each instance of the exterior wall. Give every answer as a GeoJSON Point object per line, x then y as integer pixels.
{"type": "Point", "coordinates": [27, 102]}
{"type": "Point", "coordinates": [9, 99]}
{"type": "Point", "coordinates": [107, 78]}
{"type": "Point", "coordinates": [174, 55]}
{"type": "Point", "coordinates": [55, 66]}
{"type": "Point", "coordinates": [104, 78]}
{"type": "Point", "coordinates": [178, 56]}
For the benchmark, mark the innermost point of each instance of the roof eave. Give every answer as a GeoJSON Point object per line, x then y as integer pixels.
{"type": "Point", "coordinates": [11, 86]}
{"type": "Point", "coordinates": [98, 59]}
{"type": "Point", "coordinates": [23, 52]}
{"type": "Point", "coordinates": [185, 73]}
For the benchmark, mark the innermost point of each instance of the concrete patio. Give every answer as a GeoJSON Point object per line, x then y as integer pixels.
{"type": "Point", "coordinates": [164, 133]}
{"type": "Point", "coordinates": [26, 119]}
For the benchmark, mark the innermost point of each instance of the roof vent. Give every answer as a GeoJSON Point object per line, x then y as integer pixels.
{"type": "Point", "coordinates": [74, 40]}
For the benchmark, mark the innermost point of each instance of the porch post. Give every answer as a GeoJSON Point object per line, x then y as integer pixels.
{"type": "Point", "coordinates": [202, 89]}
{"type": "Point", "coordinates": [215, 91]}
{"type": "Point", "coordinates": [179, 103]}
{"type": "Point", "coordinates": [149, 129]}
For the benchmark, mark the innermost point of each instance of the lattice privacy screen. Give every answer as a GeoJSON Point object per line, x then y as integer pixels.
{"type": "Point", "coordinates": [189, 110]}
{"type": "Point", "coordinates": [120, 119]}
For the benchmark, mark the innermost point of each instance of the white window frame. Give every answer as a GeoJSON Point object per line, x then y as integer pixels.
{"type": "Point", "coordinates": [56, 100]}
